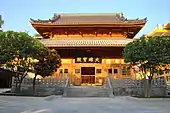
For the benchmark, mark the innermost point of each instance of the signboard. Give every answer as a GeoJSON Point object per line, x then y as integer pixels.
{"type": "Point", "coordinates": [88, 60]}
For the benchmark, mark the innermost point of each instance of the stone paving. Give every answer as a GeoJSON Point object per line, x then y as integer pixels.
{"type": "Point", "coordinates": [53, 104]}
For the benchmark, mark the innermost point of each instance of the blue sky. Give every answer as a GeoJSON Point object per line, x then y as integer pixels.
{"type": "Point", "coordinates": [16, 13]}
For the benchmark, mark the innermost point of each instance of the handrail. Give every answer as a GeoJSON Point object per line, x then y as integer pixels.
{"type": "Point", "coordinates": [66, 86]}
{"type": "Point", "coordinates": [110, 87]}
{"type": "Point", "coordinates": [67, 83]}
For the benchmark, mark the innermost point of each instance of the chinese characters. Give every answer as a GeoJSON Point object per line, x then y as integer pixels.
{"type": "Point", "coordinates": [88, 60]}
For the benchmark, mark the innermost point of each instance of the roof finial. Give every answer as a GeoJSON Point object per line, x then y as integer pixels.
{"type": "Point", "coordinates": [121, 15]}
{"type": "Point", "coordinates": [163, 25]}
{"type": "Point", "coordinates": [145, 19]}
{"type": "Point", "coordinates": [54, 15]}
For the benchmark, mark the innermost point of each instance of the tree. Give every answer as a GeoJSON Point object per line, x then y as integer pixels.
{"type": "Point", "coordinates": [18, 50]}
{"type": "Point", "coordinates": [46, 65]}
{"type": "Point", "coordinates": [1, 22]}
{"type": "Point", "coordinates": [148, 53]}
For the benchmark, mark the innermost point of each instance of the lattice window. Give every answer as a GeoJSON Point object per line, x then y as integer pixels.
{"type": "Point", "coordinates": [65, 70]}
{"type": "Point", "coordinates": [115, 71]}
{"type": "Point", "coordinates": [110, 71]}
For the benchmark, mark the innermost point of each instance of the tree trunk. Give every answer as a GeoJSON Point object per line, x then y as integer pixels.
{"type": "Point", "coordinates": [33, 87]}
{"type": "Point", "coordinates": [19, 86]}
{"type": "Point", "coordinates": [19, 83]}
{"type": "Point", "coordinates": [146, 87]}
{"type": "Point", "coordinates": [149, 87]}
{"type": "Point", "coordinates": [16, 86]}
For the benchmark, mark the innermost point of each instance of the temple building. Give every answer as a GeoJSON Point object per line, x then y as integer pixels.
{"type": "Point", "coordinates": [161, 30]}
{"type": "Point", "coordinates": [90, 45]}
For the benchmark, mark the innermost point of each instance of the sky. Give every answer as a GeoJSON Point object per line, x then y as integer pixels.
{"type": "Point", "coordinates": [17, 13]}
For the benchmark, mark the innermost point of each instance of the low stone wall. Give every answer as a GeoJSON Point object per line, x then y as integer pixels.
{"type": "Point", "coordinates": [42, 91]}
{"type": "Point", "coordinates": [138, 87]}
{"type": "Point", "coordinates": [43, 87]}
{"type": "Point", "coordinates": [168, 90]}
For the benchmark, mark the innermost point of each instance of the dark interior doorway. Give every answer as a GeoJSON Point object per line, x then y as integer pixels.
{"type": "Point", "coordinates": [88, 75]}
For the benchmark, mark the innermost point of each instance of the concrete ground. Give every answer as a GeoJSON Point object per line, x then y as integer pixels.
{"type": "Point", "coordinates": [12, 104]}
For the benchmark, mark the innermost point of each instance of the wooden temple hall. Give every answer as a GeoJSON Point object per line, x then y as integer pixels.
{"type": "Point", "coordinates": [90, 45]}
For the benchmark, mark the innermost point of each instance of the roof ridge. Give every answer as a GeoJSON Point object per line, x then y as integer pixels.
{"type": "Point", "coordinates": [86, 14]}
{"type": "Point", "coordinates": [88, 38]}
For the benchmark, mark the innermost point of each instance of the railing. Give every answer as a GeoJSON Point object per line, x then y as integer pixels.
{"type": "Point", "coordinates": [43, 82]}
{"type": "Point", "coordinates": [43, 86]}
{"type": "Point", "coordinates": [66, 86]}
{"type": "Point", "coordinates": [137, 87]}
{"type": "Point", "coordinates": [109, 86]}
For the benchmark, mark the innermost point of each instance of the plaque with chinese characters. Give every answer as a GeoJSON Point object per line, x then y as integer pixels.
{"type": "Point", "coordinates": [88, 60]}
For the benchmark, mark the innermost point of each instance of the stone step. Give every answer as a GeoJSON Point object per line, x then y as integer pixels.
{"type": "Point", "coordinates": [87, 91]}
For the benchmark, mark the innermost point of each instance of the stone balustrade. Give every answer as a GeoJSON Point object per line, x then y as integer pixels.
{"type": "Point", "coordinates": [137, 87]}
{"type": "Point", "coordinates": [43, 86]}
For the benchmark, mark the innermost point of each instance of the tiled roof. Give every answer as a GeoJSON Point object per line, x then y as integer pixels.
{"type": "Point", "coordinates": [161, 34]}
{"type": "Point", "coordinates": [64, 19]}
{"type": "Point", "coordinates": [166, 34]}
{"type": "Point", "coordinates": [167, 26]}
{"type": "Point", "coordinates": [157, 34]}
{"type": "Point", "coordinates": [86, 42]}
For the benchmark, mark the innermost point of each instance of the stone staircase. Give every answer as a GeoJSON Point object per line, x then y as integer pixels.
{"type": "Point", "coordinates": [87, 91]}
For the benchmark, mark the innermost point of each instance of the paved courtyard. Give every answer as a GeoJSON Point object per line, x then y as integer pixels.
{"type": "Point", "coordinates": [12, 104]}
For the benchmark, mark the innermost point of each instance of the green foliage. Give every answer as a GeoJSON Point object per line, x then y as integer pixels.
{"type": "Point", "coordinates": [1, 22]}
{"type": "Point", "coordinates": [18, 51]}
{"type": "Point", "coordinates": [148, 53]}
{"type": "Point", "coordinates": [13, 44]}
{"type": "Point", "coordinates": [47, 64]}
{"type": "Point", "coordinates": [19, 45]}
